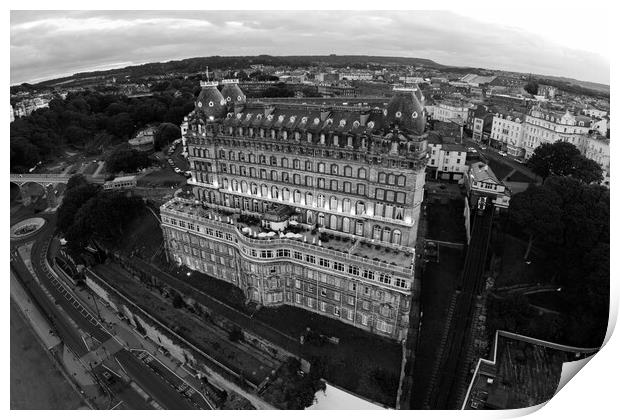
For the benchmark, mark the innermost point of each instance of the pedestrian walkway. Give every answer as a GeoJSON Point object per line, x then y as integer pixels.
{"type": "Point", "coordinates": [132, 339]}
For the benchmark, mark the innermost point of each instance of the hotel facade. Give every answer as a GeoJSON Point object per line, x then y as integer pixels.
{"type": "Point", "coordinates": [305, 205]}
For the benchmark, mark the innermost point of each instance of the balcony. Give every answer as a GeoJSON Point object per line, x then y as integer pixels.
{"type": "Point", "coordinates": [255, 231]}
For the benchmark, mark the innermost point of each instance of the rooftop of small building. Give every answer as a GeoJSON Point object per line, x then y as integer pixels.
{"type": "Point", "coordinates": [482, 172]}
{"type": "Point", "coordinates": [256, 228]}
{"type": "Point", "coordinates": [523, 372]}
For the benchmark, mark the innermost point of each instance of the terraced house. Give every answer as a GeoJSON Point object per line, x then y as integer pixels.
{"type": "Point", "coordinates": [307, 205]}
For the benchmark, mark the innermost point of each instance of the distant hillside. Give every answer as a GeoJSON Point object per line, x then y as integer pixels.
{"type": "Point", "coordinates": [599, 87]}
{"type": "Point", "coordinates": [198, 64]}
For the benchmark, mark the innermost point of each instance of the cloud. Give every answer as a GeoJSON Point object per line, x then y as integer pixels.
{"type": "Point", "coordinates": [45, 44]}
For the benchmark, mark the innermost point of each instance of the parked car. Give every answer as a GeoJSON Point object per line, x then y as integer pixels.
{"type": "Point", "coordinates": [177, 170]}
{"type": "Point", "coordinates": [502, 153]}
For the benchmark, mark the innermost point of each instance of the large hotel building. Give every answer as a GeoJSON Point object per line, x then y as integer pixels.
{"type": "Point", "coordinates": [303, 204]}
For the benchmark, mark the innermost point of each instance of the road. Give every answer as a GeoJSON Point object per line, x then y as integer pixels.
{"type": "Point", "coordinates": [73, 322]}
{"type": "Point", "coordinates": [491, 153]}
{"type": "Point", "coordinates": [455, 365]}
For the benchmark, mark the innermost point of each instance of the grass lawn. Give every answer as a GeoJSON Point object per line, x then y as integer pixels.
{"type": "Point", "coordinates": [446, 221]}
{"type": "Point", "coordinates": [438, 285]}
{"type": "Point", "coordinates": [380, 358]}
{"type": "Point", "coordinates": [513, 268]}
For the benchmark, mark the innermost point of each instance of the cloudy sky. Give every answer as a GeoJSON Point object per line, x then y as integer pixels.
{"type": "Point", "coordinates": [46, 44]}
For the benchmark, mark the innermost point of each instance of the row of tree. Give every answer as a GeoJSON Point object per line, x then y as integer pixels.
{"type": "Point", "coordinates": [88, 211]}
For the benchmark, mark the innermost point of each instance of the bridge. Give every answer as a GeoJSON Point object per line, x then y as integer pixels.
{"type": "Point", "coordinates": [45, 179]}
{"type": "Point", "coordinates": [49, 182]}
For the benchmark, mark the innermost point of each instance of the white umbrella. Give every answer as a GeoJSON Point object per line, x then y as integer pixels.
{"type": "Point", "coordinates": [270, 234]}
{"type": "Point", "coordinates": [293, 223]}
{"type": "Point", "coordinates": [291, 235]}
{"type": "Point", "coordinates": [262, 235]}
{"type": "Point", "coordinates": [246, 230]}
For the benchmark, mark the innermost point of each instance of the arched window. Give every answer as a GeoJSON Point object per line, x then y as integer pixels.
{"type": "Point", "coordinates": [320, 201]}
{"type": "Point", "coordinates": [334, 169]}
{"type": "Point", "coordinates": [286, 194]}
{"type": "Point", "coordinates": [381, 178]}
{"type": "Point", "coordinates": [391, 179]}
{"type": "Point", "coordinates": [346, 227]}
{"type": "Point", "coordinates": [361, 173]}
{"type": "Point", "coordinates": [359, 228]}
{"type": "Point", "coordinates": [231, 155]}
{"type": "Point", "coordinates": [396, 237]}
{"type": "Point", "coordinates": [284, 162]}
{"type": "Point", "coordinates": [296, 196]}
{"type": "Point", "coordinates": [224, 182]}
{"type": "Point", "coordinates": [348, 171]}
{"type": "Point", "coordinates": [333, 203]}
{"type": "Point", "coordinates": [241, 157]}
{"type": "Point", "coordinates": [262, 159]}
{"type": "Point", "coordinates": [310, 217]}
{"type": "Point", "coordinates": [244, 187]}
{"type": "Point", "coordinates": [308, 165]}
{"type": "Point", "coordinates": [387, 234]}
{"type": "Point", "coordinates": [254, 189]}
{"type": "Point", "coordinates": [333, 222]}
{"type": "Point", "coordinates": [321, 219]}
{"type": "Point", "coordinates": [263, 190]}
{"type": "Point", "coordinates": [274, 175]}
{"type": "Point", "coordinates": [321, 168]}
{"type": "Point", "coordinates": [235, 185]}
{"type": "Point", "coordinates": [222, 154]}
{"type": "Point", "coordinates": [309, 199]}
{"type": "Point", "coordinates": [275, 193]}
{"type": "Point", "coordinates": [376, 232]}
{"type": "Point", "coordinates": [401, 180]}
{"type": "Point", "coordinates": [346, 205]}
{"type": "Point", "coordinates": [273, 160]}
{"type": "Point", "coordinates": [285, 134]}
{"type": "Point", "coordinates": [360, 208]}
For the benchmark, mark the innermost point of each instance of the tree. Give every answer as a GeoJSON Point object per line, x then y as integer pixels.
{"type": "Point", "coordinates": [126, 160]}
{"type": "Point", "coordinates": [587, 170]}
{"type": "Point", "coordinates": [531, 87]}
{"type": "Point", "coordinates": [166, 133]}
{"type": "Point", "coordinates": [536, 211]}
{"type": "Point", "coordinates": [553, 159]}
{"type": "Point", "coordinates": [563, 159]}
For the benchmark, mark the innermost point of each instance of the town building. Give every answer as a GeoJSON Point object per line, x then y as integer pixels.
{"type": "Point", "coordinates": [482, 124]}
{"type": "Point", "coordinates": [446, 159]}
{"type": "Point", "coordinates": [313, 206]}
{"type": "Point", "coordinates": [144, 140]}
{"type": "Point", "coordinates": [450, 111]}
{"type": "Point", "coordinates": [356, 75]}
{"type": "Point", "coordinates": [548, 126]}
{"type": "Point", "coordinates": [507, 129]}
{"type": "Point", "coordinates": [481, 182]}
{"type": "Point", "coordinates": [120, 182]}
{"type": "Point", "coordinates": [336, 90]}
{"type": "Point", "coordinates": [597, 149]}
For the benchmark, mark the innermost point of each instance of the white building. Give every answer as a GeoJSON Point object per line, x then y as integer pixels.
{"type": "Point", "coordinates": [120, 183]}
{"type": "Point", "coordinates": [356, 76]}
{"type": "Point", "coordinates": [597, 149]}
{"type": "Point", "coordinates": [546, 126]}
{"type": "Point", "coordinates": [593, 112]}
{"type": "Point", "coordinates": [508, 129]}
{"type": "Point", "coordinates": [481, 181]}
{"type": "Point", "coordinates": [447, 160]}
{"type": "Point", "coordinates": [601, 126]}
{"type": "Point", "coordinates": [449, 111]}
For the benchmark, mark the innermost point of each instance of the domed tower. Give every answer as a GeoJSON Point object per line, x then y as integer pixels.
{"type": "Point", "coordinates": [406, 110]}
{"type": "Point", "coordinates": [210, 102]}
{"type": "Point", "coordinates": [233, 95]}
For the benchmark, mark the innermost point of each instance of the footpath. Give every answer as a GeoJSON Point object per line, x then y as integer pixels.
{"type": "Point", "coordinates": [124, 333]}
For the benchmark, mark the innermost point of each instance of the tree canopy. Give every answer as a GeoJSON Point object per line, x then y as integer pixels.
{"type": "Point", "coordinates": [564, 159]}
{"type": "Point", "coordinates": [88, 211]}
{"type": "Point", "coordinates": [531, 87]}
{"type": "Point", "coordinates": [571, 222]}
{"type": "Point", "coordinates": [166, 133]}
{"type": "Point", "coordinates": [89, 121]}
{"type": "Point", "coordinates": [126, 160]}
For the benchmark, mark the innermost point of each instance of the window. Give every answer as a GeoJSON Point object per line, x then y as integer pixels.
{"type": "Point", "coordinates": [361, 189]}
{"type": "Point", "coordinates": [347, 171]}
{"type": "Point", "coordinates": [354, 270]}
{"type": "Point", "coordinates": [364, 319]}
{"type": "Point", "coordinates": [338, 266]}
{"type": "Point", "coordinates": [321, 183]}
{"type": "Point", "coordinates": [333, 185]}
{"type": "Point", "coordinates": [336, 311]}
{"type": "Point", "coordinates": [324, 262]}
{"type": "Point", "coordinates": [346, 186]}
{"type": "Point", "coordinates": [323, 306]}
{"type": "Point", "coordinates": [352, 287]}
{"type": "Point", "coordinates": [297, 255]}
{"type": "Point", "coordinates": [323, 291]}
{"type": "Point", "coordinates": [334, 169]}
{"type": "Point", "coordinates": [361, 173]}
{"type": "Point", "coordinates": [311, 259]}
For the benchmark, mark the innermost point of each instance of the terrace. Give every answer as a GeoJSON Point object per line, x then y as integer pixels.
{"type": "Point", "coordinates": [280, 226]}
